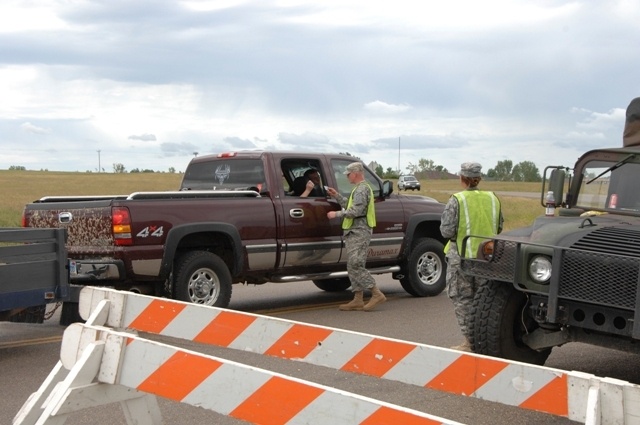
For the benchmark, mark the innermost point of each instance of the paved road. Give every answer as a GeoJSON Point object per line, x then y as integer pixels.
{"type": "Point", "coordinates": [28, 352]}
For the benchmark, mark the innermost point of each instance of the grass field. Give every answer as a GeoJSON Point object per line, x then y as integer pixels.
{"type": "Point", "coordinates": [22, 187]}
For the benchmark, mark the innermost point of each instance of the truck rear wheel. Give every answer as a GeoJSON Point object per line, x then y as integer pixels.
{"type": "Point", "coordinates": [203, 278]}
{"type": "Point", "coordinates": [424, 272]}
{"type": "Point", "coordinates": [501, 318]}
{"type": "Point", "coordinates": [337, 284]}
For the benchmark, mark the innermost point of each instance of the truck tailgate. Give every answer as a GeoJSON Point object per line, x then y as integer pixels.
{"type": "Point", "coordinates": [88, 223]}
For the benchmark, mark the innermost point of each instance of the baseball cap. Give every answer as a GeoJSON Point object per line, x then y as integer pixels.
{"type": "Point", "coordinates": [354, 167]}
{"type": "Point", "coordinates": [471, 169]}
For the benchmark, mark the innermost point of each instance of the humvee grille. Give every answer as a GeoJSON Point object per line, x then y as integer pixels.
{"type": "Point", "coordinates": [618, 240]}
{"type": "Point", "coordinates": [598, 278]}
{"type": "Point", "coordinates": [603, 268]}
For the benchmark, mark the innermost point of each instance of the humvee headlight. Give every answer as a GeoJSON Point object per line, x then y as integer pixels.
{"type": "Point", "coordinates": [540, 269]}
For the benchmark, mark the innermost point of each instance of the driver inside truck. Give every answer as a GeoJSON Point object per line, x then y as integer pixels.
{"type": "Point", "coordinates": [308, 185]}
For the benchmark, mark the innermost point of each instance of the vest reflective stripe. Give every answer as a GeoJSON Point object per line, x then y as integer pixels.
{"type": "Point", "coordinates": [479, 215]}
{"type": "Point", "coordinates": [347, 222]}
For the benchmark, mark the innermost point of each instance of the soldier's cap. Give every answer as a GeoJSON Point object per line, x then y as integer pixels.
{"type": "Point", "coordinates": [471, 169]}
{"type": "Point", "coordinates": [354, 167]}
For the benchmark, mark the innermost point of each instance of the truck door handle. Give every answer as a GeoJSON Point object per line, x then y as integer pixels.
{"type": "Point", "coordinates": [296, 213]}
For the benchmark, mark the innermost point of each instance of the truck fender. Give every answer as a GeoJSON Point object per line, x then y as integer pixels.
{"type": "Point", "coordinates": [178, 233]}
{"type": "Point", "coordinates": [412, 233]}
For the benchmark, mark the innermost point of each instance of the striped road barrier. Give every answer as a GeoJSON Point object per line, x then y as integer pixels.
{"type": "Point", "coordinates": [108, 366]}
{"type": "Point", "coordinates": [577, 396]}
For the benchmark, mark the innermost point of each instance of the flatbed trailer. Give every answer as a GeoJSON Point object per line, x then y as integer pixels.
{"type": "Point", "coordinates": [33, 272]}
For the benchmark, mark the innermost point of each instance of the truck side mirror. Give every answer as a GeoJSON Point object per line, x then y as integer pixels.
{"type": "Point", "coordinates": [387, 188]}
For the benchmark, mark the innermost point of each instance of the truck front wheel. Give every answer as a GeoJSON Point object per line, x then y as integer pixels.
{"type": "Point", "coordinates": [501, 318]}
{"type": "Point", "coordinates": [424, 271]}
{"type": "Point", "coordinates": [203, 278]}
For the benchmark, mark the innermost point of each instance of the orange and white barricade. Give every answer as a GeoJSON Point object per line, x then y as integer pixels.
{"type": "Point", "coordinates": [108, 366]}
{"type": "Point", "coordinates": [574, 395]}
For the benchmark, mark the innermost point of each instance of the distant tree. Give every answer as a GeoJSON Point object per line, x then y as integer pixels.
{"type": "Point", "coordinates": [526, 171]}
{"type": "Point", "coordinates": [17, 168]}
{"type": "Point", "coordinates": [423, 165]}
{"type": "Point", "coordinates": [391, 173]}
{"type": "Point", "coordinates": [172, 170]}
{"type": "Point", "coordinates": [380, 171]}
{"type": "Point", "coordinates": [119, 168]}
{"type": "Point", "coordinates": [146, 170]}
{"type": "Point", "coordinates": [135, 170]}
{"type": "Point", "coordinates": [503, 171]}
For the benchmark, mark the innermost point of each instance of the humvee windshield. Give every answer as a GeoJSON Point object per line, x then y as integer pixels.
{"type": "Point", "coordinates": [608, 185]}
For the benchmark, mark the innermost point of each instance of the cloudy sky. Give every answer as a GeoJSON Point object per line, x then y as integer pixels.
{"type": "Point", "coordinates": [86, 84]}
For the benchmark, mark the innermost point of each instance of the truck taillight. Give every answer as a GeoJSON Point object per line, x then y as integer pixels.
{"type": "Point", "coordinates": [121, 226]}
{"type": "Point", "coordinates": [227, 154]}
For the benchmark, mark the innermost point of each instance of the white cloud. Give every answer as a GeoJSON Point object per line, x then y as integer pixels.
{"type": "Point", "coordinates": [28, 127]}
{"type": "Point", "coordinates": [378, 106]}
{"type": "Point", "coordinates": [143, 137]}
{"type": "Point", "coordinates": [21, 16]}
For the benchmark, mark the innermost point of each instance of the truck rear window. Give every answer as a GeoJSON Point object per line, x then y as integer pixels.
{"type": "Point", "coordinates": [225, 174]}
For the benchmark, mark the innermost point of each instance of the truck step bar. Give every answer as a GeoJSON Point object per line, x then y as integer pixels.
{"type": "Point", "coordinates": [332, 275]}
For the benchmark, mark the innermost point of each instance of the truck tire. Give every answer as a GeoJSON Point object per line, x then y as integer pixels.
{"type": "Point", "coordinates": [203, 278]}
{"type": "Point", "coordinates": [337, 284]}
{"type": "Point", "coordinates": [425, 270]}
{"type": "Point", "coordinates": [33, 314]}
{"type": "Point", "coordinates": [70, 313]}
{"type": "Point", "coordinates": [500, 318]}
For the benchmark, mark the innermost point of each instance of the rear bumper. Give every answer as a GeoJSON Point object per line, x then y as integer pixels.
{"type": "Point", "coordinates": [81, 271]}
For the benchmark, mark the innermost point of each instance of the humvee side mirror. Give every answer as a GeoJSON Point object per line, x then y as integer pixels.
{"type": "Point", "coordinates": [556, 184]}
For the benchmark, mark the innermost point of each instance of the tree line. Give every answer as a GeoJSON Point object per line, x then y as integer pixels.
{"type": "Point", "coordinates": [525, 171]}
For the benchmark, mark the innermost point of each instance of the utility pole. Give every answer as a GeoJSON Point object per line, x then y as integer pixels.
{"type": "Point", "coordinates": [99, 168]}
{"type": "Point", "coordinates": [398, 155]}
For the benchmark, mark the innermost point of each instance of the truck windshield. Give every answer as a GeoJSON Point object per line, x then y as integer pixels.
{"type": "Point", "coordinates": [225, 174]}
{"type": "Point", "coordinates": [608, 185]}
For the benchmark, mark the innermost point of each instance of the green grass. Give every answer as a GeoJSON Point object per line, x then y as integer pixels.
{"type": "Point", "coordinates": [22, 187]}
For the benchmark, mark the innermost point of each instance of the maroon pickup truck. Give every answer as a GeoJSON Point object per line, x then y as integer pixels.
{"type": "Point", "coordinates": [238, 218]}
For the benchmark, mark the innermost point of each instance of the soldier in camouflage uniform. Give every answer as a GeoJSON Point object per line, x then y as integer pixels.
{"type": "Point", "coordinates": [470, 212]}
{"type": "Point", "coordinates": [358, 214]}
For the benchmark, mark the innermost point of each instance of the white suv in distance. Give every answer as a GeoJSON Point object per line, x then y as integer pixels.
{"type": "Point", "coordinates": [408, 182]}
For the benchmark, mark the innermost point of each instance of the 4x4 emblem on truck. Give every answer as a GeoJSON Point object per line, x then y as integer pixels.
{"type": "Point", "coordinates": [151, 231]}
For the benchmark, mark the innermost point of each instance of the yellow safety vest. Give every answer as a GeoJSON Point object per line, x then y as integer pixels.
{"type": "Point", "coordinates": [347, 222]}
{"type": "Point", "coordinates": [479, 215]}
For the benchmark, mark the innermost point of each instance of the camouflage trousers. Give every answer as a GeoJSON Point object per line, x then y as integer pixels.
{"type": "Point", "coordinates": [356, 242]}
{"type": "Point", "coordinates": [461, 289]}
